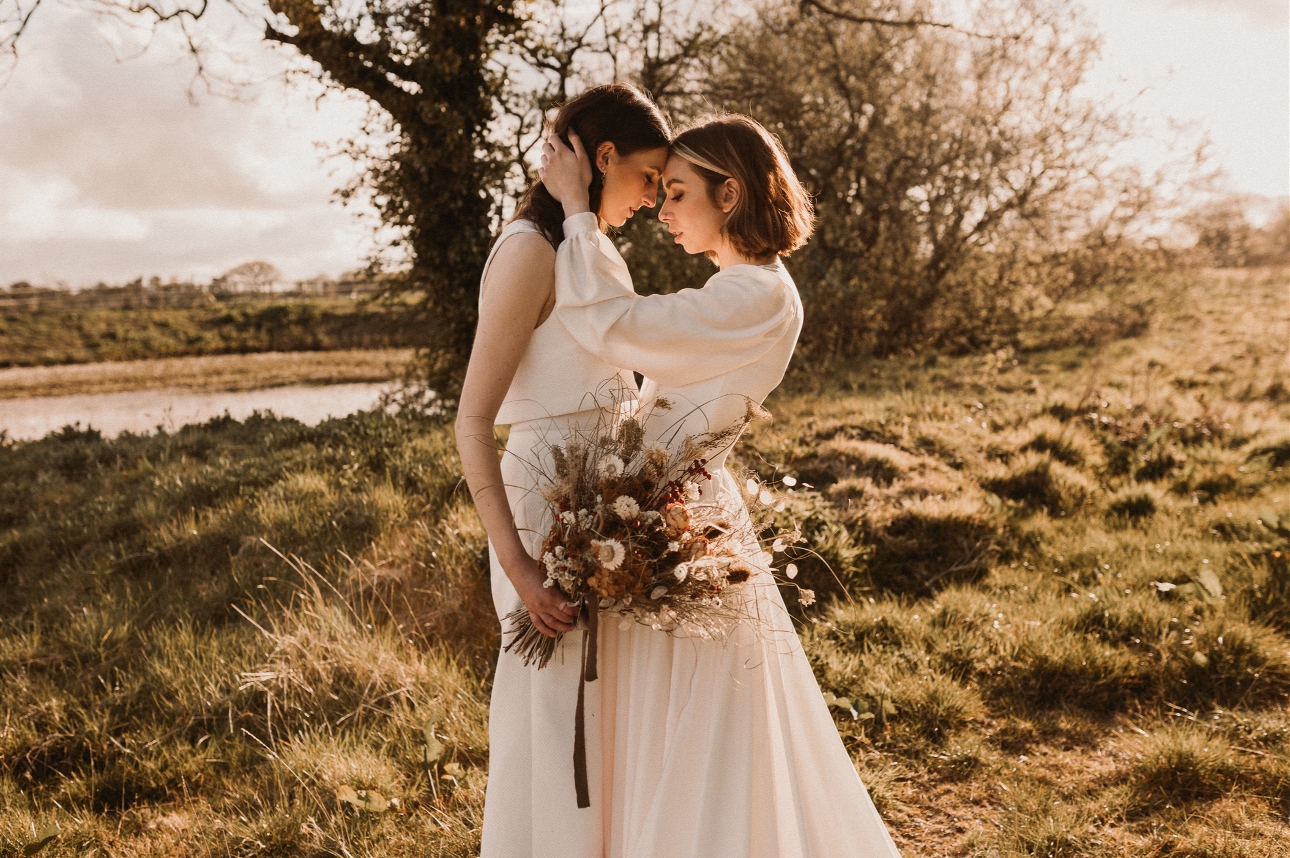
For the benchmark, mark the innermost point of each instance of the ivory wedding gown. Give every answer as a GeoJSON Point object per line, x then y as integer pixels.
{"type": "Point", "coordinates": [707, 748]}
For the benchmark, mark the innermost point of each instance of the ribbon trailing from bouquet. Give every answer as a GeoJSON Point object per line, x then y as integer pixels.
{"type": "Point", "coordinates": [587, 673]}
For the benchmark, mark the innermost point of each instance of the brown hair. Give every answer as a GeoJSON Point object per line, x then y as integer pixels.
{"type": "Point", "coordinates": [774, 214]}
{"type": "Point", "coordinates": [616, 112]}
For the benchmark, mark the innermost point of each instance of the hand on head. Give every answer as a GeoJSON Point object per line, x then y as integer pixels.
{"type": "Point", "coordinates": [566, 172]}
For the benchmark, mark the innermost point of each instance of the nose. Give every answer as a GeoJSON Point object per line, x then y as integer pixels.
{"type": "Point", "coordinates": [651, 196]}
{"type": "Point", "coordinates": [665, 214]}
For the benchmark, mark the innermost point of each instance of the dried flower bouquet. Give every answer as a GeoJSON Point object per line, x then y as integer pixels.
{"type": "Point", "coordinates": [633, 536]}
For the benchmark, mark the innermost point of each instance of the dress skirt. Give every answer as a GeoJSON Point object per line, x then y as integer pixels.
{"type": "Point", "coordinates": [707, 748]}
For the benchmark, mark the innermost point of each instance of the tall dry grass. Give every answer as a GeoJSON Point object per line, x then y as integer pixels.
{"type": "Point", "coordinates": [1058, 619]}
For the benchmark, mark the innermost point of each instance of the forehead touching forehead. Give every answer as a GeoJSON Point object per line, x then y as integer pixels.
{"type": "Point", "coordinates": [679, 170]}
{"type": "Point", "coordinates": [648, 159]}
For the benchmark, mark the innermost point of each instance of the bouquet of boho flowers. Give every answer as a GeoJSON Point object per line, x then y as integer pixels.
{"type": "Point", "coordinates": [633, 536]}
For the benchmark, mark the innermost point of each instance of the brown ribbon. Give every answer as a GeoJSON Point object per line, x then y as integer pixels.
{"type": "Point", "coordinates": [586, 674]}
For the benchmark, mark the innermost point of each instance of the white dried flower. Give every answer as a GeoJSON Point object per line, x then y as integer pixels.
{"type": "Point", "coordinates": [777, 546]}
{"type": "Point", "coordinates": [692, 492]}
{"type": "Point", "coordinates": [627, 507]}
{"type": "Point", "coordinates": [766, 497]}
{"type": "Point", "coordinates": [674, 546]}
{"type": "Point", "coordinates": [789, 481]}
{"type": "Point", "coordinates": [568, 518]}
{"type": "Point", "coordinates": [791, 570]}
{"type": "Point", "coordinates": [681, 571]}
{"type": "Point", "coordinates": [806, 597]}
{"type": "Point", "coordinates": [548, 560]}
{"type": "Point", "coordinates": [610, 466]}
{"type": "Point", "coordinates": [751, 487]}
{"type": "Point", "coordinates": [609, 553]}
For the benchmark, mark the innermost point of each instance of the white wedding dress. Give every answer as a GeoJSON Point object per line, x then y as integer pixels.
{"type": "Point", "coordinates": [706, 748]}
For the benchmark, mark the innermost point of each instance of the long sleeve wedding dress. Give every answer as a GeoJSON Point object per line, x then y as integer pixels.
{"type": "Point", "coordinates": [708, 748]}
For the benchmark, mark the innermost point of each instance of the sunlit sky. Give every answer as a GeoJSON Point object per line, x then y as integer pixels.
{"type": "Point", "coordinates": [109, 171]}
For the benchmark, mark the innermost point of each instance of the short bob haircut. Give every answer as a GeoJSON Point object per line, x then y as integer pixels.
{"type": "Point", "coordinates": [774, 214]}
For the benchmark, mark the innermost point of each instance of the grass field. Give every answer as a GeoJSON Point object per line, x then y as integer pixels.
{"type": "Point", "coordinates": [206, 374]}
{"type": "Point", "coordinates": [1061, 625]}
{"type": "Point", "coordinates": [58, 337]}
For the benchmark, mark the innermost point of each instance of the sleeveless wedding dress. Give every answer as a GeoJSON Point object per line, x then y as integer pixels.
{"type": "Point", "coordinates": [530, 809]}
{"type": "Point", "coordinates": [706, 748]}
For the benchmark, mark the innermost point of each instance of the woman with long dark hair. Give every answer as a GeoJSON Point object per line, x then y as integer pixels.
{"type": "Point", "coordinates": [527, 371]}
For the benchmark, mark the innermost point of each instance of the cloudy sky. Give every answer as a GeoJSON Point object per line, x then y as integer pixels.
{"type": "Point", "coordinates": [108, 170]}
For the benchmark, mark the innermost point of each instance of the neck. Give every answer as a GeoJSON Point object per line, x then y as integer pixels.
{"type": "Point", "coordinates": [728, 256]}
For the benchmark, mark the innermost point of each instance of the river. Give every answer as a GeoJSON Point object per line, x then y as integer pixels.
{"type": "Point", "coordinates": [147, 410]}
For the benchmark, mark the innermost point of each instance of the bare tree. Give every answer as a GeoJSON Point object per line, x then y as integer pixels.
{"type": "Point", "coordinates": [962, 183]}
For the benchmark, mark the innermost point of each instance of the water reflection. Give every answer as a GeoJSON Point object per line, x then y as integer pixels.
{"type": "Point", "coordinates": [146, 410]}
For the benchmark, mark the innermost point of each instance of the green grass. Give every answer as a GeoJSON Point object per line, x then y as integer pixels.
{"type": "Point", "coordinates": [57, 337]}
{"type": "Point", "coordinates": [208, 373]}
{"type": "Point", "coordinates": [1060, 618]}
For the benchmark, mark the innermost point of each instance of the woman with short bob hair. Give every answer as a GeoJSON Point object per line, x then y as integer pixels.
{"type": "Point", "coordinates": [774, 215]}
{"type": "Point", "coordinates": [709, 748]}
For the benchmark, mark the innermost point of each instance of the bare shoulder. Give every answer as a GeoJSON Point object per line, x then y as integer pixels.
{"type": "Point", "coordinates": [520, 283]}
{"type": "Point", "coordinates": [525, 249]}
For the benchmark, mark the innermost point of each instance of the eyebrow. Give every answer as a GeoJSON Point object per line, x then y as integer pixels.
{"type": "Point", "coordinates": [670, 182]}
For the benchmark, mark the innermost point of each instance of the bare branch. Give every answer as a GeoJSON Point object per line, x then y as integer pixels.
{"type": "Point", "coordinates": [908, 23]}
{"type": "Point", "coordinates": [13, 22]}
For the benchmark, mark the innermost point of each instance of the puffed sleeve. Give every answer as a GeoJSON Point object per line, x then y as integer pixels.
{"type": "Point", "coordinates": [678, 339]}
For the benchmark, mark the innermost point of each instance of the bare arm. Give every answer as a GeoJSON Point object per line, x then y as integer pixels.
{"type": "Point", "coordinates": [514, 298]}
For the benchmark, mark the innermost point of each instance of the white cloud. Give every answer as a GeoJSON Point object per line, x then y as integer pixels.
{"type": "Point", "coordinates": [1220, 65]}
{"type": "Point", "coordinates": [108, 172]}
{"type": "Point", "coordinates": [1271, 12]}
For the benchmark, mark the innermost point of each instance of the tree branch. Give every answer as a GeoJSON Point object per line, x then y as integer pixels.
{"type": "Point", "coordinates": [360, 72]}
{"type": "Point", "coordinates": [19, 21]}
{"type": "Point", "coordinates": [908, 23]}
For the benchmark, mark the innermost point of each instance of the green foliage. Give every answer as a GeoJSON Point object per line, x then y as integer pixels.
{"type": "Point", "coordinates": [86, 336]}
